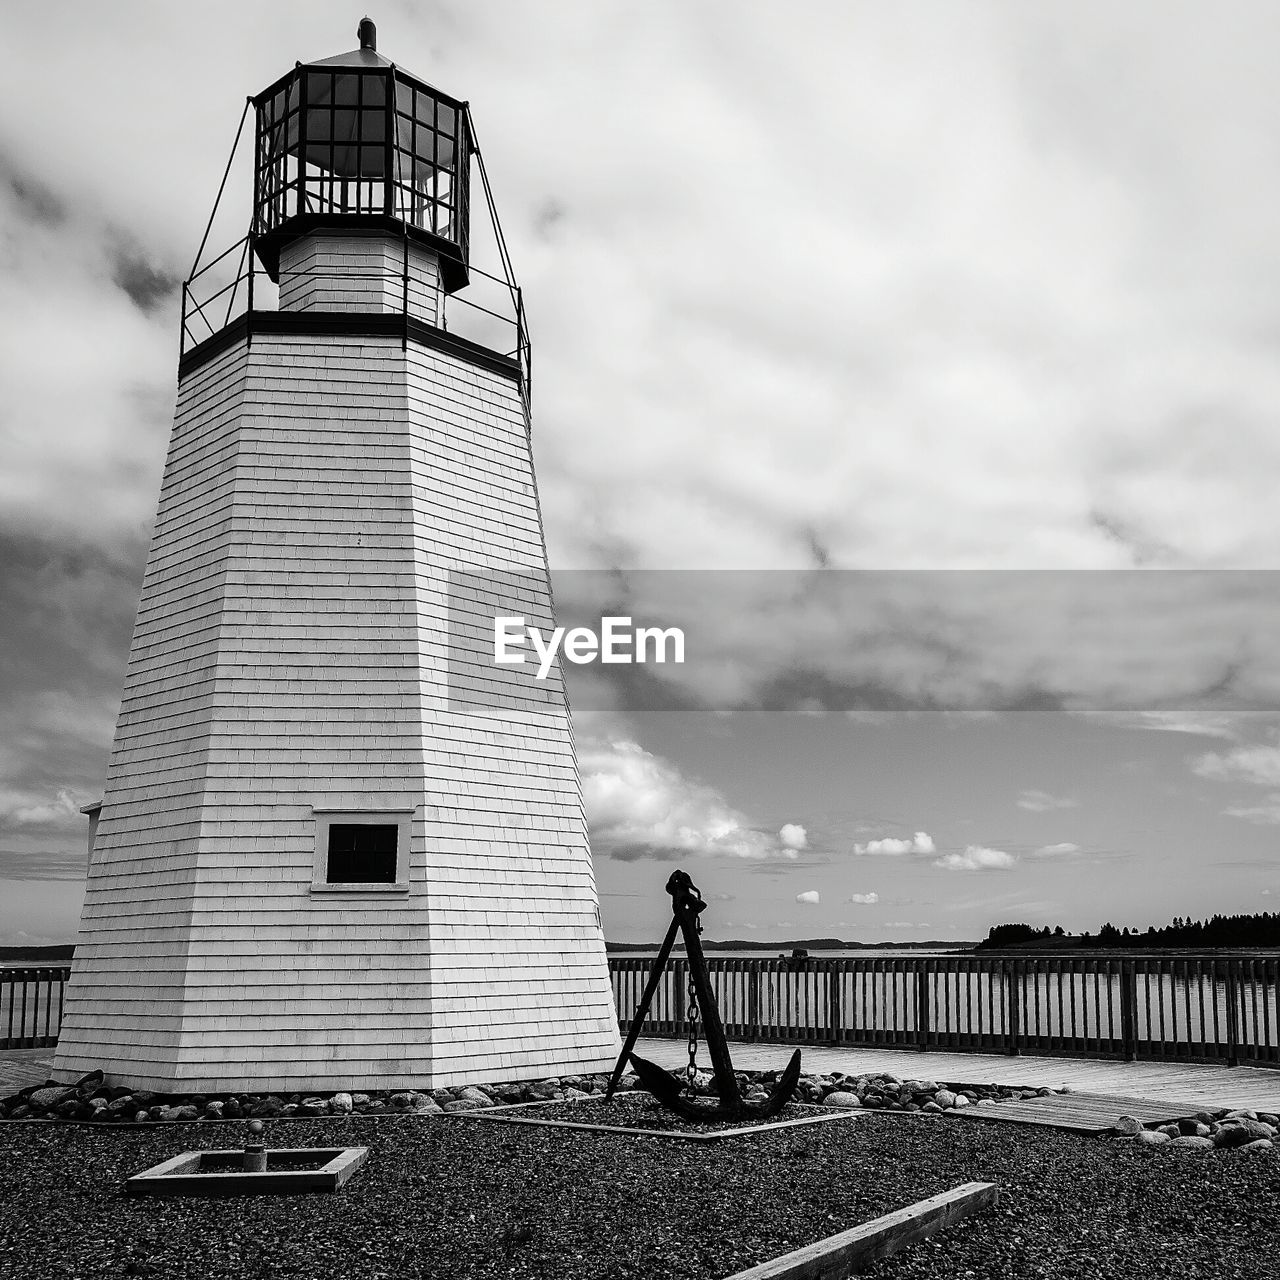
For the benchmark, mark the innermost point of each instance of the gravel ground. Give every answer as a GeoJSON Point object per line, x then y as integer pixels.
{"type": "Point", "coordinates": [460, 1199]}
{"type": "Point", "coordinates": [640, 1111]}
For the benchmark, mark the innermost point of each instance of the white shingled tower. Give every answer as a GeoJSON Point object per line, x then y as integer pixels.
{"type": "Point", "coordinates": [336, 846]}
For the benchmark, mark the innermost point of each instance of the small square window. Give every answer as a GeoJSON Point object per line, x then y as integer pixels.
{"type": "Point", "coordinates": [361, 851]}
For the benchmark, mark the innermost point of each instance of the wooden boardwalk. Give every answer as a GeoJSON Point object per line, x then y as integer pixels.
{"type": "Point", "coordinates": [1203, 1086]}
{"type": "Point", "coordinates": [22, 1067]}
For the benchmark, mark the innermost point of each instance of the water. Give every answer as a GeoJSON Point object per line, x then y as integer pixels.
{"type": "Point", "coordinates": [1165, 1006]}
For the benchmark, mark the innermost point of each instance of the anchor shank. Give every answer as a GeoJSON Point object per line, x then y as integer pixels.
{"type": "Point", "coordinates": [686, 913]}
{"type": "Point", "coordinates": [642, 1009]}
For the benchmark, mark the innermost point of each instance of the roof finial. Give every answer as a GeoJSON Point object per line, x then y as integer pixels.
{"type": "Point", "coordinates": [367, 33]}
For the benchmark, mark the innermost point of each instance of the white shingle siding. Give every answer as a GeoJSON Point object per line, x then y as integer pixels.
{"type": "Point", "coordinates": [321, 497]}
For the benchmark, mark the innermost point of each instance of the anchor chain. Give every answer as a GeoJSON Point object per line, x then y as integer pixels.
{"type": "Point", "coordinates": [691, 1071]}
{"type": "Point", "coordinates": [691, 1005]}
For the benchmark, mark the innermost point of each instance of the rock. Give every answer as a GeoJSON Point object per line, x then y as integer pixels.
{"type": "Point", "coordinates": [140, 1116]}
{"type": "Point", "coordinates": [571, 1094]}
{"type": "Point", "coordinates": [183, 1113]}
{"type": "Point", "coordinates": [313, 1107]}
{"type": "Point", "coordinates": [985, 1102]}
{"type": "Point", "coordinates": [358, 1099]}
{"type": "Point", "coordinates": [1189, 1143]}
{"type": "Point", "coordinates": [341, 1103]}
{"type": "Point", "coordinates": [1151, 1138]}
{"type": "Point", "coordinates": [1259, 1144]}
{"type": "Point", "coordinates": [268, 1106]}
{"type": "Point", "coordinates": [932, 1108]}
{"type": "Point", "coordinates": [944, 1098]}
{"type": "Point", "coordinates": [1171, 1131]}
{"type": "Point", "coordinates": [49, 1097]}
{"type": "Point", "coordinates": [1230, 1135]}
{"type": "Point", "coordinates": [1257, 1129]}
{"type": "Point", "coordinates": [232, 1109]}
{"type": "Point", "coordinates": [463, 1104]}
{"type": "Point", "coordinates": [962, 1100]}
{"type": "Point", "coordinates": [1128, 1126]}
{"type": "Point", "coordinates": [472, 1094]}
{"type": "Point", "coordinates": [842, 1101]}
{"type": "Point", "coordinates": [1188, 1125]}
{"type": "Point", "coordinates": [1241, 1115]}
{"type": "Point", "coordinates": [20, 1112]}
{"type": "Point", "coordinates": [214, 1110]}
{"type": "Point", "coordinates": [374, 1107]}
{"type": "Point", "coordinates": [289, 1109]}
{"type": "Point", "coordinates": [1268, 1118]}
{"type": "Point", "coordinates": [125, 1104]}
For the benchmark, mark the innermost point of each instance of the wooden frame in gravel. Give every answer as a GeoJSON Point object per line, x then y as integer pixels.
{"type": "Point", "coordinates": [487, 1113]}
{"type": "Point", "coordinates": [180, 1176]}
{"type": "Point", "coordinates": [856, 1249]}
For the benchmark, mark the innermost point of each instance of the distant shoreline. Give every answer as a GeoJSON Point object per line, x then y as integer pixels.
{"type": "Point", "coordinates": [798, 944]}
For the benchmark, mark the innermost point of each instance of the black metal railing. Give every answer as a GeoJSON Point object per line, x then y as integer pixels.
{"type": "Point", "coordinates": [31, 1006]}
{"type": "Point", "coordinates": [1163, 1008]}
{"type": "Point", "coordinates": [230, 287]}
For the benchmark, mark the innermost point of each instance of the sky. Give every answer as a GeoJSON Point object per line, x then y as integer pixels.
{"type": "Point", "coordinates": [921, 359]}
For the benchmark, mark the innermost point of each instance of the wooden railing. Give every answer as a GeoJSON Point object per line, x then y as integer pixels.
{"type": "Point", "coordinates": [1172, 1008]}
{"type": "Point", "coordinates": [1184, 1008]}
{"type": "Point", "coordinates": [31, 1006]}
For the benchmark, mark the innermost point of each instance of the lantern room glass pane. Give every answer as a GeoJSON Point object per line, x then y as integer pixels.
{"type": "Point", "coordinates": [325, 138]}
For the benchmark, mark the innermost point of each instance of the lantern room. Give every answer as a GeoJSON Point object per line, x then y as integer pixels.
{"type": "Point", "coordinates": [355, 141]}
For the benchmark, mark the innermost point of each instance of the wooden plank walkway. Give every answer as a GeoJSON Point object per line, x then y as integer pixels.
{"type": "Point", "coordinates": [22, 1067]}
{"type": "Point", "coordinates": [1206, 1087]}
{"type": "Point", "coordinates": [1078, 1112]}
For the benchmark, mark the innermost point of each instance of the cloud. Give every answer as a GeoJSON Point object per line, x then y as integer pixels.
{"type": "Point", "coordinates": [977, 858]}
{"type": "Point", "coordinates": [1043, 802]}
{"type": "Point", "coordinates": [639, 805]}
{"type": "Point", "coordinates": [59, 812]}
{"type": "Point", "coordinates": [1056, 850]}
{"type": "Point", "coordinates": [1266, 814]}
{"type": "Point", "coordinates": [793, 836]}
{"type": "Point", "coordinates": [1258, 765]}
{"type": "Point", "coordinates": [865, 899]}
{"type": "Point", "coordinates": [810, 897]}
{"type": "Point", "coordinates": [893, 847]}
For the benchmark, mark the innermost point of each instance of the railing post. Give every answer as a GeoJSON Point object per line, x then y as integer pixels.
{"type": "Point", "coordinates": [834, 1018]}
{"type": "Point", "coordinates": [753, 999]}
{"type": "Point", "coordinates": [1129, 1008]}
{"type": "Point", "coordinates": [1013, 1007]}
{"type": "Point", "coordinates": [922, 1005]}
{"type": "Point", "coordinates": [680, 981]}
{"type": "Point", "coordinates": [1233, 1013]}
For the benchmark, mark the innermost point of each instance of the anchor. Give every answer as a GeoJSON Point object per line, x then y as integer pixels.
{"type": "Point", "coordinates": [686, 906]}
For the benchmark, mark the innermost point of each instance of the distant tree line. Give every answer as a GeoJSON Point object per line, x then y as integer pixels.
{"type": "Point", "coordinates": [1262, 930]}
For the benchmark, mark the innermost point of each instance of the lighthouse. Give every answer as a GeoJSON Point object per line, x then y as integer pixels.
{"type": "Point", "coordinates": [336, 847]}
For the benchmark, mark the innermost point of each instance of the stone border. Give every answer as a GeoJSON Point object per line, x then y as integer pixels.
{"type": "Point", "coordinates": [178, 1176]}
{"type": "Point", "coordinates": [715, 1136]}
{"type": "Point", "coordinates": [836, 1256]}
